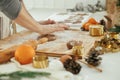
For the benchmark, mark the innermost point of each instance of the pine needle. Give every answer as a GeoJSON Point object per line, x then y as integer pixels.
{"type": "Point", "coordinates": [18, 75]}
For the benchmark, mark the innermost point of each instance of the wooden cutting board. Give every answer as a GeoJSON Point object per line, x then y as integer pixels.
{"type": "Point", "coordinates": [58, 46]}
{"type": "Point", "coordinates": [17, 39]}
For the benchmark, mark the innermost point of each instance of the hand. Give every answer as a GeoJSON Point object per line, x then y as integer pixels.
{"type": "Point", "coordinates": [47, 29]}
{"type": "Point", "coordinates": [64, 26]}
{"type": "Point", "coordinates": [47, 22]}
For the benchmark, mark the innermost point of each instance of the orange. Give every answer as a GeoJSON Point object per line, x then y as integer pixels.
{"type": "Point", "coordinates": [90, 22]}
{"type": "Point", "coordinates": [24, 54]}
{"type": "Point", "coordinates": [86, 26]}
{"type": "Point", "coordinates": [93, 21]}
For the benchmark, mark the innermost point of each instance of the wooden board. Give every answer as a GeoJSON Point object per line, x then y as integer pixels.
{"type": "Point", "coordinates": [73, 19]}
{"type": "Point", "coordinates": [59, 45]}
{"type": "Point", "coordinates": [17, 39]}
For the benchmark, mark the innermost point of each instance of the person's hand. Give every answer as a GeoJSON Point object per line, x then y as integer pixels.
{"type": "Point", "coordinates": [64, 26]}
{"type": "Point", "coordinates": [49, 21]}
{"type": "Point", "coordinates": [47, 29]}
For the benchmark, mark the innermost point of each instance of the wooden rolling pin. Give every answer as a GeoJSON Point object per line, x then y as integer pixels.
{"type": "Point", "coordinates": [7, 54]}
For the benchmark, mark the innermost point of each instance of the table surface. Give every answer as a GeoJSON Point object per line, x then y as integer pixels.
{"type": "Point", "coordinates": [110, 65]}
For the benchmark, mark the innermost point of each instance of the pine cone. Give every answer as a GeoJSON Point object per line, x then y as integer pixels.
{"type": "Point", "coordinates": [93, 57]}
{"type": "Point", "coordinates": [72, 66]}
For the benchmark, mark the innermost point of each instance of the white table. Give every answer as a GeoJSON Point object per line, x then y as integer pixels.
{"type": "Point", "coordinates": [110, 66]}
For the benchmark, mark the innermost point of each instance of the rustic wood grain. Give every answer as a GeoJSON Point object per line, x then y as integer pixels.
{"type": "Point", "coordinates": [58, 46]}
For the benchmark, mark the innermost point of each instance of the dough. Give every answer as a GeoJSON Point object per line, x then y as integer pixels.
{"type": "Point", "coordinates": [51, 37]}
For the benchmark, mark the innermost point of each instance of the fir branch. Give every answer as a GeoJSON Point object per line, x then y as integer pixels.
{"type": "Point", "coordinates": [18, 75]}
{"type": "Point", "coordinates": [115, 29]}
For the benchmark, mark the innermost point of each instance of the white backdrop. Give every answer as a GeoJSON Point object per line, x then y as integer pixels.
{"type": "Point", "coordinates": [57, 3]}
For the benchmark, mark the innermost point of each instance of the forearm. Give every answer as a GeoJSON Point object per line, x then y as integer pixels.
{"type": "Point", "coordinates": [25, 7]}
{"type": "Point", "coordinates": [16, 11]}
{"type": "Point", "coordinates": [43, 22]}
{"type": "Point", "coordinates": [27, 21]}
{"type": "Point", "coordinates": [40, 22]}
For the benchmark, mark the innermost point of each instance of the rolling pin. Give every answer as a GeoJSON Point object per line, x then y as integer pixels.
{"type": "Point", "coordinates": [7, 54]}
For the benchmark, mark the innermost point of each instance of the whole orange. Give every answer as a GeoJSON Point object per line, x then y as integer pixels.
{"type": "Point", "coordinates": [87, 25]}
{"type": "Point", "coordinates": [93, 21]}
{"type": "Point", "coordinates": [84, 24]}
{"type": "Point", "coordinates": [24, 54]}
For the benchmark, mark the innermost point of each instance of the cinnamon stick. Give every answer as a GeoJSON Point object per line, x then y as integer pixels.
{"type": "Point", "coordinates": [51, 54]}
{"type": "Point", "coordinates": [91, 66]}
